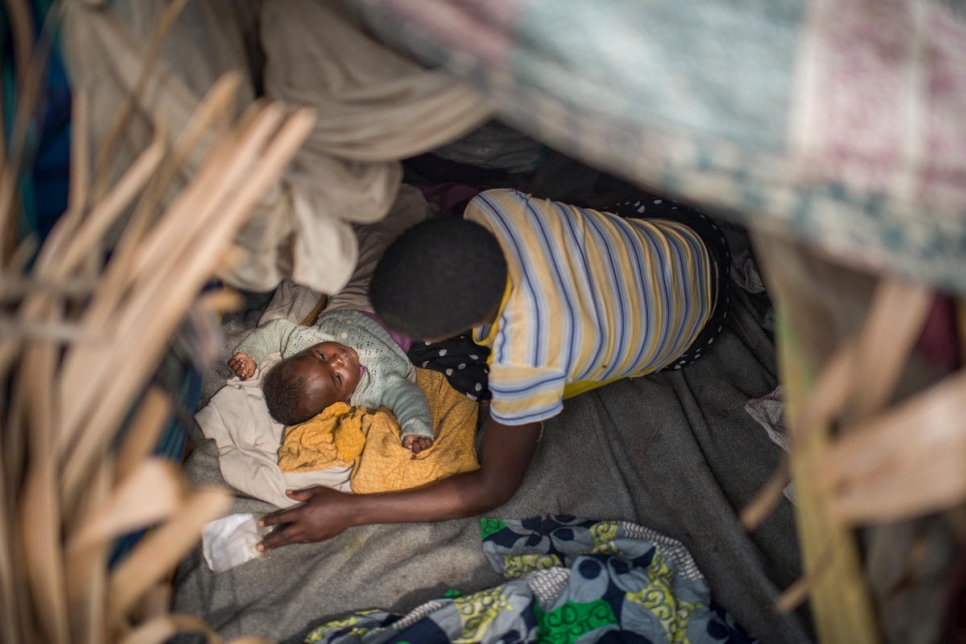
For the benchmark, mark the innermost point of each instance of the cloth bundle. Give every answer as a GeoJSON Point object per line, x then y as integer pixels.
{"type": "Point", "coordinates": [356, 450]}
{"type": "Point", "coordinates": [373, 107]}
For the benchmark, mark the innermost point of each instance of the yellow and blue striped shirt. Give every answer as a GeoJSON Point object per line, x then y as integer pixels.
{"type": "Point", "coordinates": [591, 298]}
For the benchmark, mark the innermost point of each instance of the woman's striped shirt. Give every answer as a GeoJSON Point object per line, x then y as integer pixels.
{"type": "Point", "coordinates": [591, 297]}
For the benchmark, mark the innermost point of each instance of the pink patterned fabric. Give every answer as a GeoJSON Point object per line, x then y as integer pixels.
{"type": "Point", "coordinates": [882, 98]}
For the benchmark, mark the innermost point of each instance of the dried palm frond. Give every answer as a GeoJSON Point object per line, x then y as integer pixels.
{"type": "Point", "coordinates": [860, 454]}
{"type": "Point", "coordinates": [83, 332]}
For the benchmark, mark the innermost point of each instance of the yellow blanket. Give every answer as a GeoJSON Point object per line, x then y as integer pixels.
{"type": "Point", "coordinates": [369, 441]}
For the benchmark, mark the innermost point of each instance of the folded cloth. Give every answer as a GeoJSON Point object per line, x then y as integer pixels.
{"type": "Point", "coordinates": [248, 438]}
{"type": "Point", "coordinates": [371, 441]}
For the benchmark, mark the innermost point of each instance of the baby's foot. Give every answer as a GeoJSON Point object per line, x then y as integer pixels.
{"type": "Point", "coordinates": [416, 443]}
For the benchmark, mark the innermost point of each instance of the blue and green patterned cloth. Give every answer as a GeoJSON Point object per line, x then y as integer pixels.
{"type": "Point", "coordinates": [568, 580]}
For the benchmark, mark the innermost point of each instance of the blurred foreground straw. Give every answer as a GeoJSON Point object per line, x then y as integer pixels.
{"type": "Point", "coordinates": [72, 481]}
{"type": "Point", "coordinates": [863, 453]}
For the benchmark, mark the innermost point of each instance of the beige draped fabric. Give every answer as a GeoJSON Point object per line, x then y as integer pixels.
{"type": "Point", "coordinates": [374, 107]}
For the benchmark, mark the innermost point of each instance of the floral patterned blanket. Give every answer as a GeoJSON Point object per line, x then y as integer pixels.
{"type": "Point", "coordinates": [568, 580]}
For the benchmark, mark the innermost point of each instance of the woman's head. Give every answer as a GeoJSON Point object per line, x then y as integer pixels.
{"type": "Point", "coordinates": [439, 278]}
{"type": "Point", "coordinates": [301, 386]}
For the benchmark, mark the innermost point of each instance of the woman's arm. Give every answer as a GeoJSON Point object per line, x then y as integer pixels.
{"type": "Point", "coordinates": [507, 452]}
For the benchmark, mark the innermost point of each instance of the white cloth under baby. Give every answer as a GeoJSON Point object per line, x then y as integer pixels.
{"type": "Point", "coordinates": [237, 419]}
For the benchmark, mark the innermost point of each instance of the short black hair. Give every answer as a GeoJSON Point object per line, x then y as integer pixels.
{"type": "Point", "coordinates": [284, 394]}
{"type": "Point", "coordinates": [439, 278]}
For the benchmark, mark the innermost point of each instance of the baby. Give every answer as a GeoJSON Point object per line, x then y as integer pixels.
{"type": "Point", "coordinates": [346, 356]}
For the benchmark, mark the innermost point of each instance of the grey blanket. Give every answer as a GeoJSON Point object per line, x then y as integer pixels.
{"type": "Point", "coordinates": [675, 452]}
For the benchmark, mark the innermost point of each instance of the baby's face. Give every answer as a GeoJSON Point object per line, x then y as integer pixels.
{"type": "Point", "coordinates": [331, 372]}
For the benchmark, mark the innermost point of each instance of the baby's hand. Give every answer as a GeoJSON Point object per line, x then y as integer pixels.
{"type": "Point", "coordinates": [242, 365]}
{"type": "Point", "coordinates": [417, 443]}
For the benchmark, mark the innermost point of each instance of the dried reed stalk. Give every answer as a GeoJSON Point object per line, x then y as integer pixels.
{"type": "Point", "coordinates": [190, 266]}
{"type": "Point", "coordinates": [86, 572]}
{"type": "Point", "coordinates": [9, 618]}
{"type": "Point", "coordinates": [143, 433]}
{"type": "Point", "coordinates": [63, 508]}
{"type": "Point", "coordinates": [858, 457]}
{"type": "Point", "coordinates": [840, 602]}
{"type": "Point", "coordinates": [839, 598]}
{"type": "Point", "coordinates": [215, 109]}
{"type": "Point", "coordinates": [40, 506]}
{"type": "Point", "coordinates": [22, 29]}
{"type": "Point", "coordinates": [31, 60]}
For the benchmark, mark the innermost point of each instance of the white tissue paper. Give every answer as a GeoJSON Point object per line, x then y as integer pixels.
{"type": "Point", "coordinates": [230, 541]}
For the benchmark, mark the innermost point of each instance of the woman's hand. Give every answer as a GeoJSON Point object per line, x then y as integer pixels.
{"type": "Point", "coordinates": [242, 365]}
{"type": "Point", "coordinates": [324, 514]}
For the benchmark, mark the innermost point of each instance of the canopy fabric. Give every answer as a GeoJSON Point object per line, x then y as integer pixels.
{"type": "Point", "coordinates": [836, 123]}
